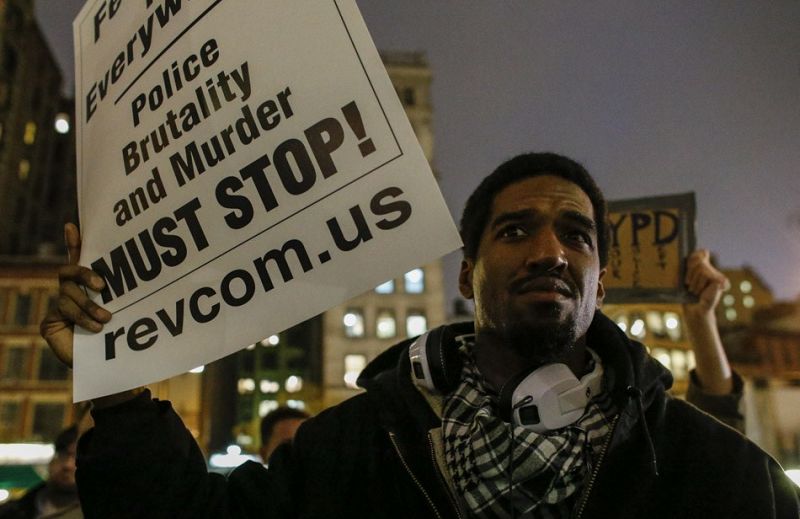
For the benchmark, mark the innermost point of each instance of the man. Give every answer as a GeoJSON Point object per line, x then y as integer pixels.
{"type": "Point", "coordinates": [431, 437]}
{"type": "Point", "coordinates": [56, 498]}
{"type": "Point", "coordinates": [277, 427]}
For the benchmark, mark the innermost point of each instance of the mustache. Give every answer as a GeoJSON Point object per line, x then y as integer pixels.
{"type": "Point", "coordinates": [544, 280]}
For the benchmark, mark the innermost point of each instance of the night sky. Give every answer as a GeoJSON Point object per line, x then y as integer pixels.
{"type": "Point", "coordinates": [653, 97]}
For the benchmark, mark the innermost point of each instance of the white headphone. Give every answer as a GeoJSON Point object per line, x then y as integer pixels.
{"type": "Point", "coordinates": [547, 398]}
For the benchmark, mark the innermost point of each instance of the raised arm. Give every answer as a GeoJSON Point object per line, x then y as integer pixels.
{"type": "Point", "coordinates": [714, 387]}
{"type": "Point", "coordinates": [708, 284]}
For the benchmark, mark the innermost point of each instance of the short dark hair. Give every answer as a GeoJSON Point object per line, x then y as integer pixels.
{"type": "Point", "coordinates": [479, 205]}
{"type": "Point", "coordinates": [272, 418]}
{"type": "Point", "coordinates": [65, 438]}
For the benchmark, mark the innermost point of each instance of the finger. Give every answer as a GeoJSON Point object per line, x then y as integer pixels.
{"type": "Point", "coordinates": [72, 237]}
{"type": "Point", "coordinates": [703, 256]}
{"type": "Point", "coordinates": [75, 294]}
{"type": "Point", "coordinates": [73, 313]}
{"type": "Point", "coordinates": [81, 276]}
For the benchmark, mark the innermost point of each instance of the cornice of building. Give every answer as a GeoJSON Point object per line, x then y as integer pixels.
{"type": "Point", "coordinates": [404, 58]}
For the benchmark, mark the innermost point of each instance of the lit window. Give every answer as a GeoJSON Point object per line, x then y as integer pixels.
{"type": "Point", "coordinates": [655, 323]}
{"type": "Point", "coordinates": [748, 301]}
{"type": "Point", "coordinates": [416, 324]}
{"type": "Point", "coordinates": [637, 328]}
{"type": "Point", "coordinates": [730, 314]}
{"type": "Point", "coordinates": [745, 286]}
{"type": "Point", "coordinates": [690, 364]}
{"type": "Point", "coordinates": [296, 404]}
{"type": "Point", "coordinates": [293, 384]}
{"type": "Point", "coordinates": [662, 356]}
{"type": "Point", "coordinates": [62, 123]}
{"type": "Point", "coordinates": [272, 340]}
{"type": "Point", "coordinates": [671, 321]}
{"type": "Point", "coordinates": [246, 385]}
{"type": "Point", "coordinates": [679, 364]}
{"type": "Point", "coordinates": [266, 407]}
{"type": "Point", "coordinates": [728, 300]}
{"type": "Point", "coordinates": [622, 322]}
{"type": "Point", "coordinates": [385, 324]}
{"type": "Point", "coordinates": [385, 288]}
{"type": "Point", "coordinates": [29, 137]}
{"type": "Point", "coordinates": [269, 386]}
{"type": "Point", "coordinates": [24, 169]}
{"type": "Point", "coordinates": [673, 324]}
{"type": "Point", "coordinates": [414, 281]}
{"type": "Point", "coordinates": [353, 366]}
{"type": "Point", "coordinates": [353, 323]}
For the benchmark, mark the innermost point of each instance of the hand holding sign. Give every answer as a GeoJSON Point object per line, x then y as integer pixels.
{"type": "Point", "coordinates": [74, 306]}
{"type": "Point", "coordinates": [705, 282]}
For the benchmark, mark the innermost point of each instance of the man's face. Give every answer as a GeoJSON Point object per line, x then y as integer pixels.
{"type": "Point", "coordinates": [62, 469]}
{"type": "Point", "coordinates": [536, 278]}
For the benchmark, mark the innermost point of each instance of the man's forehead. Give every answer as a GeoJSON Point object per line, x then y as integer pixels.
{"type": "Point", "coordinates": [542, 192]}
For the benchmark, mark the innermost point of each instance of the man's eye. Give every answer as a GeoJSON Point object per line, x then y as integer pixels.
{"type": "Point", "coordinates": [512, 231]}
{"type": "Point", "coordinates": [579, 237]}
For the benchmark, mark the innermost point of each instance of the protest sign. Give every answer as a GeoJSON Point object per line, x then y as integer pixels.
{"type": "Point", "coordinates": [243, 165]}
{"type": "Point", "coordinates": [650, 239]}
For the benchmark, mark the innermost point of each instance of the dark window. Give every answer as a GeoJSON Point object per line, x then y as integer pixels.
{"type": "Point", "coordinates": [16, 363]}
{"type": "Point", "coordinates": [9, 418]}
{"type": "Point", "coordinates": [48, 420]}
{"type": "Point", "coordinates": [22, 314]}
{"type": "Point", "coordinates": [248, 360]}
{"type": "Point", "coordinates": [268, 358]}
{"type": "Point", "coordinates": [297, 359]}
{"type": "Point", "coordinates": [3, 302]}
{"type": "Point", "coordinates": [50, 368]}
{"type": "Point", "coordinates": [409, 96]}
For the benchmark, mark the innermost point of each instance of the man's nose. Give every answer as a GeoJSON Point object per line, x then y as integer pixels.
{"type": "Point", "coordinates": [546, 252]}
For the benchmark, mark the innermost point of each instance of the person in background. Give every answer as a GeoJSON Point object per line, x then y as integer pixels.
{"type": "Point", "coordinates": [56, 498]}
{"type": "Point", "coordinates": [277, 427]}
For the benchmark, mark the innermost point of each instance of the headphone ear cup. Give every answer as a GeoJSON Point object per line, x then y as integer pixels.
{"type": "Point", "coordinates": [504, 399]}
{"type": "Point", "coordinates": [443, 359]}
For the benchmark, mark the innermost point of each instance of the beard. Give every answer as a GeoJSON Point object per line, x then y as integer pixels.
{"type": "Point", "coordinates": [541, 342]}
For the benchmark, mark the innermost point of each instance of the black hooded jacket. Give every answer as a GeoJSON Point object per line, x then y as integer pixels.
{"type": "Point", "coordinates": [374, 456]}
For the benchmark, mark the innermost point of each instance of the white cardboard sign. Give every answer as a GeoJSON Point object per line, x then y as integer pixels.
{"type": "Point", "coordinates": [243, 166]}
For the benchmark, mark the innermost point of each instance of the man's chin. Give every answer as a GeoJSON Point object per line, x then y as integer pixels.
{"type": "Point", "coordinates": [541, 342]}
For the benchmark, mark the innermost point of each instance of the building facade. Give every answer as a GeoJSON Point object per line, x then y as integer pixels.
{"type": "Point", "coordinates": [357, 331]}
{"type": "Point", "coordinates": [37, 158]}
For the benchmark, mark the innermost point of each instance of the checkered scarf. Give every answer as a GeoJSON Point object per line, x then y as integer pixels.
{"type": "Point", "coordinates": [548, 469]}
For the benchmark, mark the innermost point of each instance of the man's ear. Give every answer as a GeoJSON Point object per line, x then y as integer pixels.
{"type": "Point", "coordinates": [465, 278]}
{"type": "Point", "coordinates": [601, 291]}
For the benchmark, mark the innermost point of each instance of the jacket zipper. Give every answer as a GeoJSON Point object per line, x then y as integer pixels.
{"type": "Point", "coordinates": [413, 477]}
{"type": "Point", "coordinates": [585, 497]}
{"type": "Point", "coordinates": [441, 478]}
